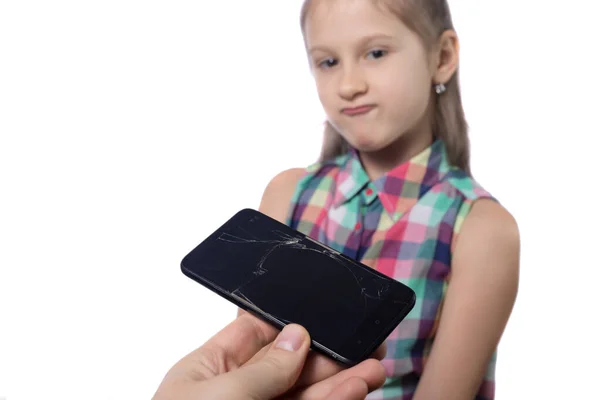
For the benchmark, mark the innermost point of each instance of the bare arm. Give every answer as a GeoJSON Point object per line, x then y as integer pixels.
{"type": "Point", "coordinates": [480, 297]}
{"type": "Point", "coordinates": [277, 196]}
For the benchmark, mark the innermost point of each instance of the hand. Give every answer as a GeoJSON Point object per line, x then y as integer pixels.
{"type": "Point", "coordinates": [247, 360]}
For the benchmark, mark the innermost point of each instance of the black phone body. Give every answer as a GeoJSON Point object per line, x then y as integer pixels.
{"type": "Point", "coordinates": [284, 276]}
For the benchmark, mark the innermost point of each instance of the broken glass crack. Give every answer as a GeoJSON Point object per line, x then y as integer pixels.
{"type": "Point", "coordinates": [369, 285]}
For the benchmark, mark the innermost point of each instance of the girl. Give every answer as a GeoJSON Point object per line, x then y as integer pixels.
{"type": "Point", "coordinates": [393, 189]}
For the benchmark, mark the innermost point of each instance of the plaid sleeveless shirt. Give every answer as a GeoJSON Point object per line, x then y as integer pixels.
{"type": "Point", "coordinates": [404, 225]}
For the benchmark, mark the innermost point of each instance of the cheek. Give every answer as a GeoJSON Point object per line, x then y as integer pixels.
{"type": "Point", "coordinates": [408, 95]}
{"type": "Point", "coordinates": [327, 93]}
{"type": "Point", "coordinates": [329, 98]}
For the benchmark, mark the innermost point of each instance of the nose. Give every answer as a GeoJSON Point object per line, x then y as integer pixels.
{"type": "Point", "coordinates": [353, 83]}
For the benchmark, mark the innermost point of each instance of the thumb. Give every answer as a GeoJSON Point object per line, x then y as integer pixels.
{"type": "Point", "coordinates": [278, 370]}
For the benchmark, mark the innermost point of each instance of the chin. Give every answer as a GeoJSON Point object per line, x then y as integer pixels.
{"type": "Point", "coordinates": [365, 143]}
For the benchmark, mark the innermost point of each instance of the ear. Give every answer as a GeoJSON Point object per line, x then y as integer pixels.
{"type": "Point", "coordinates": [446, 58]}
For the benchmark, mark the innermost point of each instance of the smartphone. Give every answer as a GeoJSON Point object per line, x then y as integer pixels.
{"type": "Point", "coordinates": [283, 276]}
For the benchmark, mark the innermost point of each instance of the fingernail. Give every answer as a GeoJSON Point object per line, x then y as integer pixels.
{"type": "Point", "coordinates": [291, 338]}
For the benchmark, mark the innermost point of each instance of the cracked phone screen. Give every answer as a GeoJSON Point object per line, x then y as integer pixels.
{"type": "Point", "coordinates": [292, 278]}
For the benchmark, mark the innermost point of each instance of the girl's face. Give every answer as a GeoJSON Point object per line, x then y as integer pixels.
{"type": "Point", "coordinates": [372, 73]}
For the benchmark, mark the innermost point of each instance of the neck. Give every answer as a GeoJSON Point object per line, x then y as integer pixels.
{"type": "Point", "coordinates": [378, 163]}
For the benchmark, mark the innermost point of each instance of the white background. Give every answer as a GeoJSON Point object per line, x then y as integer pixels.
{"type": "Point", "coordinates": [131, 129]}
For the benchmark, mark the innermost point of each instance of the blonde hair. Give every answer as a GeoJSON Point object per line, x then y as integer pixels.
{"type": "Point", "coordinates": [428, 19]}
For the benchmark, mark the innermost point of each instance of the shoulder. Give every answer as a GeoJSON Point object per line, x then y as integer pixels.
{"type": "Point", "coordinates": [489, 241]}
{"type": "Point", "coordinates": [285, 180]}
{"type": "Point", "coordinates": [282, 188]}
{"type": "Point", "coordinates": [486, 236]}
{"type": "Point", "coordinates": [279, 191]}
{"type": "Point", "coordinates": [467, 186]}
{"type": "Point", "coordinates": [465, 191]}
{"type": "Point", "coordinates": [489, 220]}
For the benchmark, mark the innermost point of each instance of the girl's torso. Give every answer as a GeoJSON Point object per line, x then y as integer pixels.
{"type": "Point", "coordinates": [404, 225]}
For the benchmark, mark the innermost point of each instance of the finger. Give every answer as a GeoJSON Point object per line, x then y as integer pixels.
{"type": "Point", "coordinates": [318, 362]}
{"type": "Point", "coordinates": [352, 389]}
{"type": "Point", "coordinates": [370, 371]}
{"type": "Point", "coordinates": [378, 354]}
{"type": "Point", "coordinates": [319, 367]}
{"type": "Point", "coordinates": [234, 345]}
{"type": "Point", "coordinates": [277, 371]}
{"type": "Point", "coordinates": [258, 356]}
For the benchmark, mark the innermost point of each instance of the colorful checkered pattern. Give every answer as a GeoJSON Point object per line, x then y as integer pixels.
{"type": "Point", "coordinates": [404, 225]}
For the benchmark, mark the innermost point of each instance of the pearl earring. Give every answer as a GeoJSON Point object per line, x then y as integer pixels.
{"type": "Point", "coordinates": [440, 88]}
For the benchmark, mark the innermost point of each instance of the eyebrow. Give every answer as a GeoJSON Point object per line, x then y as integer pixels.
{"type": "Point", "coordinates": [363, 41]}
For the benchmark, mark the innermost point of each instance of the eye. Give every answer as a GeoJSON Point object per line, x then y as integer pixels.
{"type": "Point", "coordinates": [328, 63]}
{"type": "Point", "coordinates": [377, 53]}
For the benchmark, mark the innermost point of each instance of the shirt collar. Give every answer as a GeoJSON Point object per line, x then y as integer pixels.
{"type": "Point", "coordinates": [399, 189]}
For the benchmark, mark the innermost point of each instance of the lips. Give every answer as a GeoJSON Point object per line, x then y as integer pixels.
{"type": "Point", "coordinates": [358, 110]}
